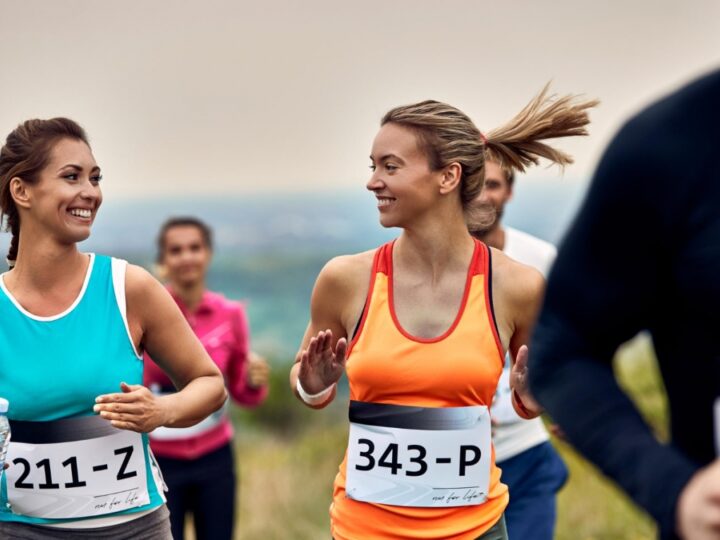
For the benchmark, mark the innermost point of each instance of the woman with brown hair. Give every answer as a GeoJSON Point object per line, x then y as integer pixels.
{"type": "Point", "coordinates": [428, 328]}
{"type": "Point", "coordinates": [198, 462]}
{"type": "Point", "coordinates": [74, 326]}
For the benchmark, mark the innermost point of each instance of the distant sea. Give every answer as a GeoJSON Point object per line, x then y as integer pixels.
{"type": "Point", "coordinates": [270, 248]}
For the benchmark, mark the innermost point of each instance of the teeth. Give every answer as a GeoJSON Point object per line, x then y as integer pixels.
{"type": "Point", "coordinates": [384, 202]}
{"type": "Point", "coordinates": [81, 212]}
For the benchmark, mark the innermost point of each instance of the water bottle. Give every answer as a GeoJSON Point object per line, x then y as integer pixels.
{"type": "Point", "coordinates": [4, 432]}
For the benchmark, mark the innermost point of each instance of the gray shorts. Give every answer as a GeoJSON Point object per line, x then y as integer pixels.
{"type": "Point", "coordinates": [496, 532]}
{"type": "Point", "coordinates": [153, 526]}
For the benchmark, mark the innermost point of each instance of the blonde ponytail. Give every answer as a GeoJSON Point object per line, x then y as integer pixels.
{"type": "Point", "coordinates": [517, 144]}
{"type": "Point", "coordinates": [446, 135]}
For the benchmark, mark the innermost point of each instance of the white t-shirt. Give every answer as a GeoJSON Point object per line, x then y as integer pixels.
{"type": "Point", "coordinates": [513, 434]}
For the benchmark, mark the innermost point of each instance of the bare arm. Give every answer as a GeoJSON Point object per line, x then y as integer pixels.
{"type": "Point", "coordinates": [337, 301]}
{"type": "Point", "coordinates": [157, 325]}
{"type": "Point", "coordinates": [519, 289]}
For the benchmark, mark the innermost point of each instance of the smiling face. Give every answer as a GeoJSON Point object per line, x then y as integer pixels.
{"type": "Point", "coordinates": [496, 191]}
{"type": "Point", "coordinates": [402, 180]}
{"type": "Point", "coordinates": [186, 255]}
{"type": "Point", "coordinates": [65, 199]}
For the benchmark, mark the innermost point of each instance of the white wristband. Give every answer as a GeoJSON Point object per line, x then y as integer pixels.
{"type": "Point", "coordinates": [314, 399]}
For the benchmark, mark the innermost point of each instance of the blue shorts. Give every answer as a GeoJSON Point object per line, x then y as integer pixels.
{"type": "Point", "coordinates": [533, 478]}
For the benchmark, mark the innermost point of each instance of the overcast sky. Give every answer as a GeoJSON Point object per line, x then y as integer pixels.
{"type": "Point", "coordinates": [217, 96]}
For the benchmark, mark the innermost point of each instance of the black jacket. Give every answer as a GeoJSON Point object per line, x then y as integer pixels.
{"type": "Point", "coordinates": [642, 254]}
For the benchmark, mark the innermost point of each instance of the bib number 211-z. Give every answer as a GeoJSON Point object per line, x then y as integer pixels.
{"type": "Point", "coordinates": [77, 478]}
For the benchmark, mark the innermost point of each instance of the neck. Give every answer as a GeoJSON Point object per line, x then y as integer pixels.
{"type": "Point", "coordinates": [435, 246]}
{"type": "Point", "coordinates": [42, 263]}
{"type": "Point", "coordinates": [189, 293]}
{"type": "Point", "coordinates": [495, 237]}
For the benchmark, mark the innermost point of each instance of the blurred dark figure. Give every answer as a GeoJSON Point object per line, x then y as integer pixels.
{"type": "Point", "coordinates": [644, 254]}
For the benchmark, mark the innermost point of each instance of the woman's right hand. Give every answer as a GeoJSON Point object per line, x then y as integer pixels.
{"type": "Point", "coordinates": [320, 366]}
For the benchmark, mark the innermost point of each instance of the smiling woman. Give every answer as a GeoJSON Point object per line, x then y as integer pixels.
{"type": "Point", "coordinates": [73, 327]}
{"type": "Point", "coordinates": [421, 326]}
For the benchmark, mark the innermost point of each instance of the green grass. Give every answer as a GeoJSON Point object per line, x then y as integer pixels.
{"type": "Point", "coordinates": [288, 456]}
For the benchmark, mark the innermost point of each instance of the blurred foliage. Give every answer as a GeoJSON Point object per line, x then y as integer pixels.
{"type": "Point", "coordinates": [281, 413]}
{"type": "Point", "coordinates": [638, 374]}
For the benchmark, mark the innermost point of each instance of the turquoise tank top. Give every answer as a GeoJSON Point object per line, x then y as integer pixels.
{"type": "Point", "coordinates": [53, 368]}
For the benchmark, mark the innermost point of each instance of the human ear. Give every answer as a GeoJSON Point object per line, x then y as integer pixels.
{"type": "Point", "coordinates": [19, 192]}
{"type": "Point", "coordinates": [451, 176]}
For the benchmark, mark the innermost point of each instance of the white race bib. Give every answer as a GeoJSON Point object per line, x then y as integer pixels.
{"type": "Point", "coordinates": [175, 434]}
{"type": "Point", "coordinates": [74, 468]}
{"type": "Point", "coordinates": [418, 456]}
{"type": "Point", "coordinates": [502, 410]}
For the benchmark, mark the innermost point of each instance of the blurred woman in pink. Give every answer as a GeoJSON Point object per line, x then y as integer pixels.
{"type": "Point", "coordinates": [197, 463]}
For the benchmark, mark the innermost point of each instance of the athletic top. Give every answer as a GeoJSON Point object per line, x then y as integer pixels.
{"type": "Point", "coordinates": [222, 327]}
{"type": "Point", "coordinates": [643, 254]}
{"type": "Point", "coordinates": [53, 368]}
{"type": "Point", "coordinates": [460, 368]}
{"type": "Point", "coordinates": [513, 434]}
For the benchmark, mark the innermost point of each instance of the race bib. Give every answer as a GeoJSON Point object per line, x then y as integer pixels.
{"type": "Point", "coordinates": [502, 410]}
{"type": "Point", "coordinates": [174, 434]}
{"type": "Point", "coordinates": [74, 468]}
{"type": "Point", "coordinates": [418, 456]}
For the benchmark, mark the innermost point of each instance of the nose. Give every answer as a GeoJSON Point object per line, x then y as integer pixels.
{"type": "Point", "coordinates": [483, 197]}
{"type": "Point", "coordinates": [375, 183]}
{"type": "Point", "coordinates": [90, 191]}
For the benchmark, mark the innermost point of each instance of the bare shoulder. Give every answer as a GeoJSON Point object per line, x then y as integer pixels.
{"type": "Point", "coordinates": [141, 287]}
{"type": "Point", "coordinates": [517, 283]}
{"type": "Point", "coordinates": [347, 272]}
{"type": "Point", "coordinates": [341, 290]}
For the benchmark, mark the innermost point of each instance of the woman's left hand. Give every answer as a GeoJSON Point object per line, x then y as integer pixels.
{"type": "Point", "coordinates": [135, 408]}
{"type": "Point", "coordinates": [519, 383]}
{"type": "Point", "coordinates": [258, 371]}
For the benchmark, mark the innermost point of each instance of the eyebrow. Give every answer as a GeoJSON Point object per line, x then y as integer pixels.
{"type": "Point", "coordinates": [78, 167]}
{"type": "Point", "coordinates": [386, 157]}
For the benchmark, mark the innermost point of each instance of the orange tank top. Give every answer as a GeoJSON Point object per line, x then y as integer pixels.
{"type": "Point", "coordinates": [387, 365]}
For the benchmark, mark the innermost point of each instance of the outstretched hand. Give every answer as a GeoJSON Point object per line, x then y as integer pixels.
{"type": "Point", "coordinates": [135, 408]}
{"type": "Point", "coordinates": [519, 382]}
{"type": "Point", "coordinates": [320, 366]}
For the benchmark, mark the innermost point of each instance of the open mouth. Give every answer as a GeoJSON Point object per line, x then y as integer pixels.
{"type": "Point", "coordinates": [82, 213]}
{"type": "Point", "coordinates": [384, 202]}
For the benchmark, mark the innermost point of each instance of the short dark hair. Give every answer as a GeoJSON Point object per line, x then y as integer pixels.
{"type": "Point", "coordinates": [183, 221]}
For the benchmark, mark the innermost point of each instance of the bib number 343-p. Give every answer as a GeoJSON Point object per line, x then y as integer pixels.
{"type": "Point", "coordinates": [79, 478]}
{"type": "Point", "coordinates": [418, 456]}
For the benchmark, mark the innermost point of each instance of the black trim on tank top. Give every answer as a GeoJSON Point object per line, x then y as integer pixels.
{"type": "Point", "coordinates": [490, 296]}
{"type": "Point", "coordinates": [359, 321]}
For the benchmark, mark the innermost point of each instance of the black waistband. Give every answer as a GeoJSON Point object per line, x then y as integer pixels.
{"type": "Point", "coordinates": [403, 416]}
{"type": "Point", "coordinates": [64, 430]}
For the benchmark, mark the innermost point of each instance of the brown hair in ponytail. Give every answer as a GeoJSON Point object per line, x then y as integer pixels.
{"type": "Point", "coordinates": [446, 135]}
{"type": "Point", "coordinates": [25, 154]}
